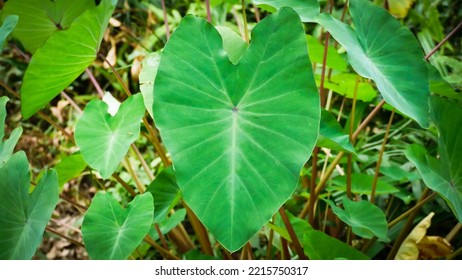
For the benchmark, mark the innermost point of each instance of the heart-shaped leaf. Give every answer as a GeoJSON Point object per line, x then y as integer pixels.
{"type": "Point", "coordinates": [103, 139]}
{"type": "Point", "coordinates": [167, 224]}
{"type": "Point", "coordinates": [238, 134]}
{"type": "Point", "coordinates": [7, 145]}
{"type": "Point", "coordinates": [382, 49]}
{"type": "Point", "coordinates": [166, 193]}
{"type": "Point", "coordinates": [112, 233]}
{"type": "Point", "coordinates": [8, 25]}
{"type": "Point", "coordinates": [39, 19]}
{"type": "Point", "coordinates": [443, 175]}
{"type": "Point", "coordinates": [320, 246]}
{"type": "Point", "coordinates": [24, 216]}
{"type": "Point", "coordinates": [364, 218]}
{"type": "Point", "coordinates": [63, 57]}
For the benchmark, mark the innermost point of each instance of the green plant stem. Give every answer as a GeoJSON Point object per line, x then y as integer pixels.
{"type": "Point", "coordinates": [285, 255]}
{"type": "Point", "coordinates": [124, 184]}
{"type": "Point", "coordinates": [201, 232]}
{"type": "Point", "coordinates": [116, 74]}
{"type": "Point", "coordinates": [73, 203]}
{"type": "Point", "coordinates": [75, 242]}
{"type": "Point", "coordinates": [269, 246]}
{"type": "Point", "coordinates": [143, 162]}
{"type": "Point", "coordinates": [320, 186]}
{"type": "Point", "coordinates": [350, 133]}
{"type": "Point", "coordinates": [161, 236]}
{"type": "Point", "coordinates": [246, 28]}
{"type": "Point", "coordinates": [323, 71]}
{"type": "Point", "coordinates": [95, 83]}
{"type": "Point", "coordinates": [407, 226]}
{"type": "Point", "coordinates": [293, 236]}
{"type": "Point", "coordinates": [155, 141]}
{"type": "Point", "coordinates": [453, 232]}
{"type": "Point", "coordinates": [164, 12]}
{"type": "Point", "coordinates": [312, 198]}
{"type": "Point", "coordinates": [165, 253]}
{"type": "Point", "coordinates": [207, 8]}
{"type": "Point", "coordinates": [415, 208]}
{"type": "Point", "coordinates": [443, 41]}
{"type": "Point", "coordinates": [379, 160]}
{"type": "Point", "coordinates": [455, 254]}
{"type": "Point", "coordinates": [256, 12]}
{"type": "Point", "coordinates": [141, 188]}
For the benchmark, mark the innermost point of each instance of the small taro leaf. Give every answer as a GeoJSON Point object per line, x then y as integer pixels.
{"type": "Point", "coordinates": [63, 57]}
{"type": "Point", "coordinates": [362, 184]}
{"type": "Point", "coordinates": [39, 19]}
{"type": "Point", "coordinates": [308, 10]}
{"type": "Point", "coordinates": [320, 246]}
{"type": "Point", "coordinates": [8, 25]}
{"type": "Point", "coordinates": [104, 140]}
{"type": "Point", "coordinates": [225, 124]}
{"type": "Point", "coordinates": [382, 49]}
{"type": "Point", "coordinates": [344, 84]}
{"type": "Point", "coordinates": [147, 75]}
{"type": "Point", "coordinates": [331, 134]}
{"type": "Point", "coordinates": [166, 193]}
{"type": "Point", "coordinates": [396, 173]}
{"type": "Point", "coordinates": [113, 233]}
{"type": "Point", "coordinates": [316, 52]}
{"type": "Point", "coordinates": [69, 168]}
{"type": "Point", "coordinates": [166, 225]}
{"type": "Point", "coordinates": [232, 43]}
{"type": "Point", "coordinates": [24, 216]}
{"type": "Point", "coordinates": [443, 175]}
{"type": "Point", "coordinates": [365, 219]}
{"type": "Point", "coordinates": [7, 145]}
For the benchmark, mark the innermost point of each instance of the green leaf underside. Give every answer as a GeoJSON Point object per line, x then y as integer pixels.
{"type": "Point", "coordinates": [308, 10]}
{"type": "Point", "coordinates": [7, 145]}
{"type": "Point", "coordinates": [8, 25]}
{"type": "Point", "coordinates": [238, 134]}
{"type": "Point", "coordinates": [39, 19]}
{"type": "Point", "coordinates": [23, 216]}
{"type": "Point", "coordinates": [232, 43]}
{"type": "Point", "coordinates": [113, 233]}
{"type": "Point", "coordinates": [64, 56]}
{"type": "Point", "coordinates": [365, 219]}
{"type": "Point", "coordinates": [166, 193]}
{"type": "Point", "coordinates": [362, 184]}
{"type": "Point", "coordinates": [331, 134]}
{"type": "Point", "coordinates": [320, 246]}
{"type": "Point", "coordinates": [444, 175]}
{"type": "Point", "coordinates": [382, 49]}
{"type": "Point", "coordinates": [104, 140]}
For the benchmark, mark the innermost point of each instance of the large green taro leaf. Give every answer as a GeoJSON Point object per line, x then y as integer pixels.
{"type": "Point", "coordinates": [443, 175]}
{"type": "Point", "coordinates": [113, 233]}
{"type": "Point", "coordinates": [23, 216]}
{"type": "Point", "coordinates": [63, 57]}
{"type": "Point", "coordinates": [39, 19]}
{"type": "Point", "coordinates": [365, 219]}
{"type": "Point", "coordinates": [104, 139]}
{"type": "Point", "coordinates": [7, 145]}
{"type": "Point", "coordinates": [382, 49]}
{"type": "Point", "coordinates": [8, 25]}
{"type": "Point", "coordinates": [238, 134]}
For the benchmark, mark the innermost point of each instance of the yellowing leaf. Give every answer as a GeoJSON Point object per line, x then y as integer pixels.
{"type": "Point", "coordinates": [408, 249]}
{"type": "Point", "coordinates": [433, 248]}
{"type": "Point", "coordinates": [400, 8]}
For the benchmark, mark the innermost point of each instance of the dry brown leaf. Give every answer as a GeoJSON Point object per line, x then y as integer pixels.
{"type": "Point", "coordinates": [433, 248]}
{"type": "Point", "coordinates": [408, 249]}
{"type": "Point", "coordinates": [111, 57]}
{"type": "Point", "coordinates": [400, 8]}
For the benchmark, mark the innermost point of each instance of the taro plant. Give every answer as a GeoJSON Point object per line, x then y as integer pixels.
{"type": "Point", "coordinates": [284, 132]}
